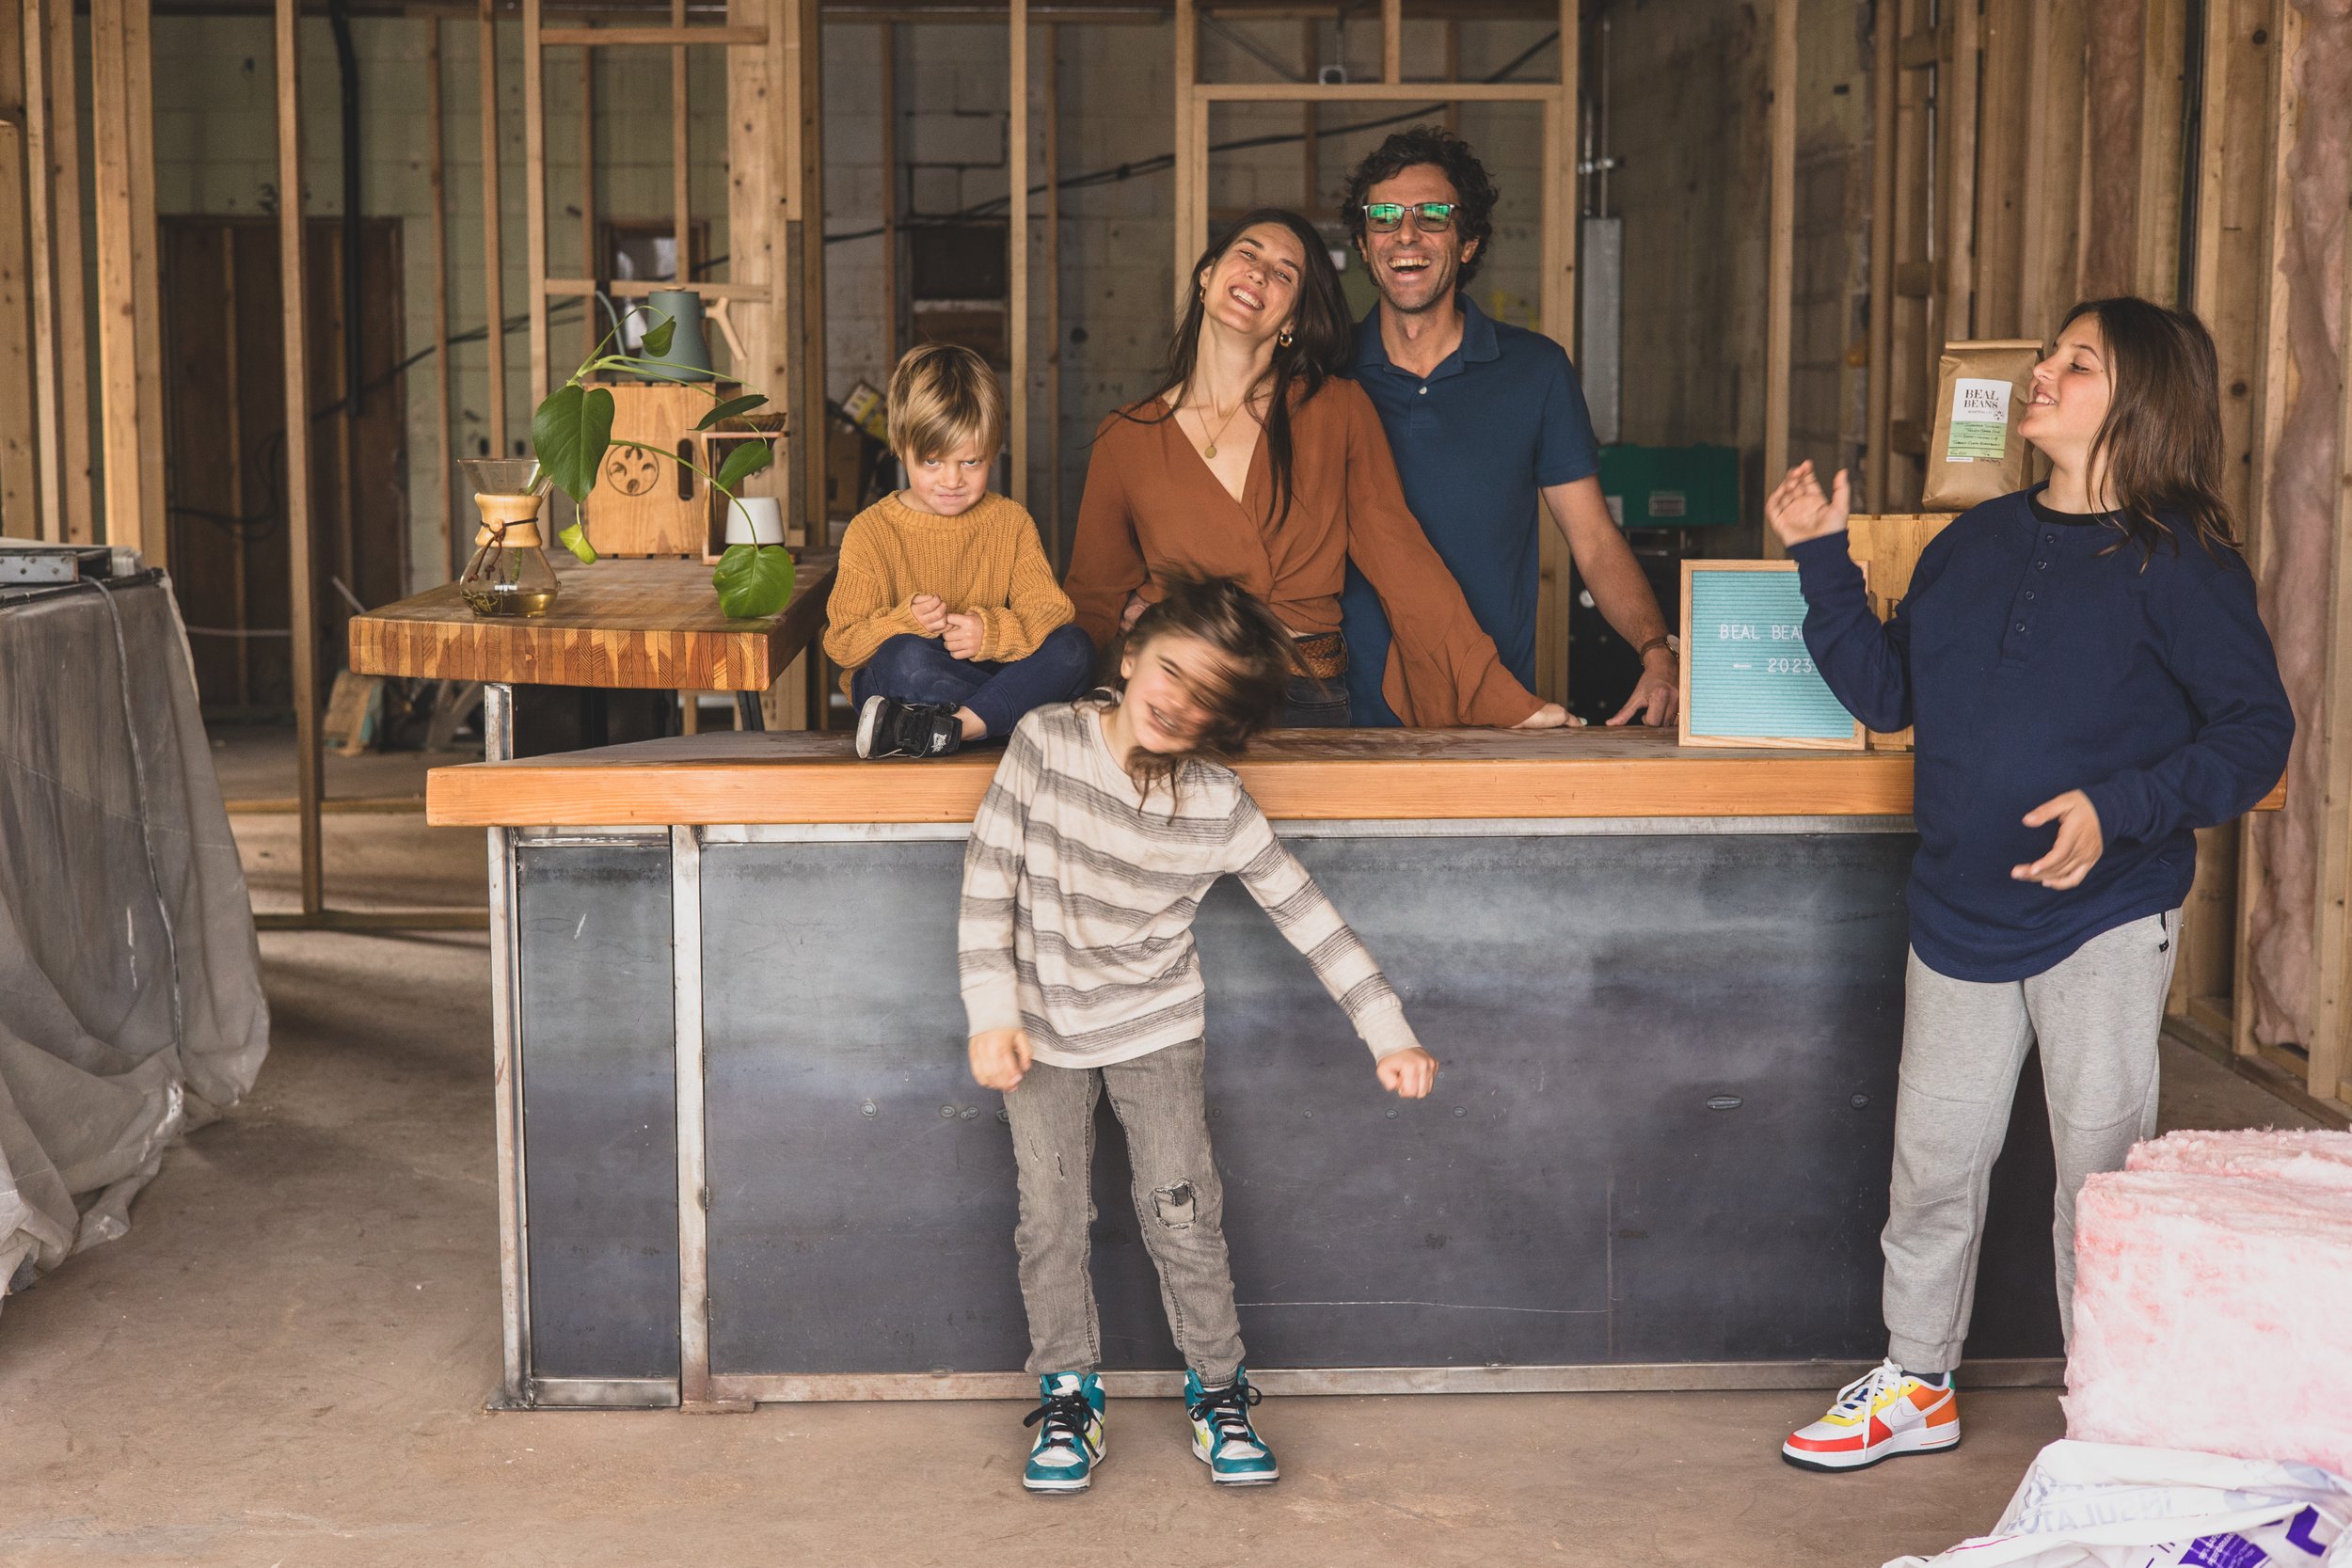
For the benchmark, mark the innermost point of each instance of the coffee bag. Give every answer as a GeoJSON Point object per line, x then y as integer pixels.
{"type": "Point", "coordinates": [1975, 452]}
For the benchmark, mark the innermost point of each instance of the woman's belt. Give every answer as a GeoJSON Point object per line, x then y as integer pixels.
{"type": "Point", "coordinates": [1324, 655]}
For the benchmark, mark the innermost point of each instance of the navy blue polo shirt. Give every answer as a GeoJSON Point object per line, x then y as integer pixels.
{"type": "Point", "coordinates": [1499, 419]}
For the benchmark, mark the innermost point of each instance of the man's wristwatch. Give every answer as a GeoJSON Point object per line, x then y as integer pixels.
{"type": "Point", "coordinates": [1665, 640]}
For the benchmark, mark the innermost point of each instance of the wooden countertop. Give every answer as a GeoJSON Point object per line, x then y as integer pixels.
{"type": "Point", "coordinates": [713, 779]}
{"type": "Point", "coordinates": [651, 624]}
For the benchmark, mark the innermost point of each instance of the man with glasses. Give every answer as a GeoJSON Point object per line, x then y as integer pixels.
{"type": "Point", "coordinates": [1485, 418]}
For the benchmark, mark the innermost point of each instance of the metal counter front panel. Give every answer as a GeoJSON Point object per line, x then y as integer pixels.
{"type": "Point", "coordinates": [601, 1107]}
{"type": "Point", "coordinates": [1662, 1131]}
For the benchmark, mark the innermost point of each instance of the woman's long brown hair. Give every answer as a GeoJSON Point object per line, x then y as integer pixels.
{"type": "Point", "coordinates": [1322, 342]}
{"type": "Point", "coordinates": [2162, 436]}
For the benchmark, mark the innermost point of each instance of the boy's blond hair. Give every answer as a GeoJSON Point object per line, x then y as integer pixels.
{"type": "Point", "coordinates": [942, 396]}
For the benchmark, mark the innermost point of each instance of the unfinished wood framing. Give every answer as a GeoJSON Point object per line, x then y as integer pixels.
{"type": "Point", "coordinates": [146, 277]}
{"type": "Point", "coordinates": [886, 102]}
{"type": "Point", "coordinates": [301, 574]}
{"type": "Point", "coordinates": [2272, 386]}
{"type": "Point", "coordinates": [445, 564]}
{"type": "Point", "coordinates": [493, 247]}
{"type": "Point", "coordinates": [1052, 152]}
{"type": "Point", "coordinates": [2331, 928]}
{"type": "Point", "coordinates": [20, 468]}
{"type": "Point", "coordinates": [120, 412]}
{"type": "Point", "coordinates": [1885, 82]}
{"type": "Point", "coordinates": [75, 517]}
{"type": "Point", "coordinates": [535, 196]}
{"type": "Point", "coordinates": [1017, 226]}
{"type": "Point", "coordinates": [1780, 249]}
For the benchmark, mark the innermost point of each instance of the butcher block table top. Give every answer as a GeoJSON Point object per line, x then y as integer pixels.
{"type": "Point", "coordinates": [650, 624]}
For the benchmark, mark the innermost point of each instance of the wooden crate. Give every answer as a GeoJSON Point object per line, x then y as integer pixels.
{"type": "Point", "coordinates": [644, 505]}
{"type": "Point", "coordinates": [1887, 547]}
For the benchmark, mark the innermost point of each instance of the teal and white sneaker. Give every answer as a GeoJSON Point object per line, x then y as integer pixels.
{"type": "Point", "coordinates": [1069, 1419]}
{"type": "Point", "coordinates": [1222, 1437]}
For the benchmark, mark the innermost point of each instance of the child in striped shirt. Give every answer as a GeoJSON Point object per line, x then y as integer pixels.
{"type": "Point", "coordinates": [1106, 824]}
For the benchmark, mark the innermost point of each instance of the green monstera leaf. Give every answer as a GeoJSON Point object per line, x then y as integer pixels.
{"type": "Point", "coordinates": [657, 340]}
{"type": "Point", "coordinates": [746, 459]}
{"type": "Point", "coordinates": [730, 408]}
{"type": "Point", "coordinates": [569, 434]}
{"type": "Point", "coordinates": [575, 539]}
{"type": "Point", "coordinates": [753, 580]}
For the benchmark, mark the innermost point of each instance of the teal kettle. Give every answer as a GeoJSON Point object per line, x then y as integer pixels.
{"type": "Point", "coordinates": [688, 358]}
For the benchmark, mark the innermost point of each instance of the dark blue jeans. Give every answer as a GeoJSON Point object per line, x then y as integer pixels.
{"type": "Point", "coordinates": [921, 670]}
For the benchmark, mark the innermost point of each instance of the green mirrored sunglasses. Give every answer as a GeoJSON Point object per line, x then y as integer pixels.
{"type": "Point", "coordinates": [1384, 217]}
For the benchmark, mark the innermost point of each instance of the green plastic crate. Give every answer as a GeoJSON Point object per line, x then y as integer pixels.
{"type": "Point", "coordinates": [1671, 486]}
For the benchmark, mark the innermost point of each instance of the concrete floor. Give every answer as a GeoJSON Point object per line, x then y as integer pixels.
{"type": "Point", "coordinates": [286, 1360]}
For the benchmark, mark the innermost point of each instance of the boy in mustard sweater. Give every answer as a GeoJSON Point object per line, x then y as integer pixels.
{"type": "Point", "coordinates": [944, 616]}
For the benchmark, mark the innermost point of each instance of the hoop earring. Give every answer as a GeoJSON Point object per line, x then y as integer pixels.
{"type": "Point", "coordinates": [1284, 338]}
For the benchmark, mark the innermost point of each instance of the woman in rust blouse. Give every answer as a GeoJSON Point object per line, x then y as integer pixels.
{"type": "Point", "coordinates": [1258, 460]}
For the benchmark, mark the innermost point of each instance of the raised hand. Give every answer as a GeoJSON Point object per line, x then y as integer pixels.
{"type": "Point", "coordinates": [1798, 510]}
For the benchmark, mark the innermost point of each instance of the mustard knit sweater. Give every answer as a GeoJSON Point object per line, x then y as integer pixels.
{"type": "Point", "coordinates": [985, 562]}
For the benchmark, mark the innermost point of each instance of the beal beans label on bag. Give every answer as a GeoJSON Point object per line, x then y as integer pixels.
{"type": "Point", "coordinates": [1979, 432]}
{"type": "Point", "coordinates": [1975, 452]}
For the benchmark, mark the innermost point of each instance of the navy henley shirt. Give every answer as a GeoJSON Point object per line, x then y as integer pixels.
{"type": "Point", "coordinates": [2035, 654]}
{"type": "Point", "coordinates": [1501, 418]}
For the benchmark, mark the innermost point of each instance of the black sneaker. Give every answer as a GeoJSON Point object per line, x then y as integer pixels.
{"type": "Point", "coordinates": [887, 727]}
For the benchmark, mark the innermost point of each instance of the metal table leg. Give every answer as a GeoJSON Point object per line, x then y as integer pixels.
{"type": "Point", "coordinates": [497, 744]}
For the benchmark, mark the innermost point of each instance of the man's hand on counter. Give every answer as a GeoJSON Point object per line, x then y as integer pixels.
{"type": "Point", "coordinates": [1000, 1056]}
{"type": "Point", "coordinates": [1657, 699]}
{"type": "Point", "coordinates": [1409, 1074]}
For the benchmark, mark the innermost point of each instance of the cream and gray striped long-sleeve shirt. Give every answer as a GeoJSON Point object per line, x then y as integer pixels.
{"type": "Point", "coordinates": [1078, 901]}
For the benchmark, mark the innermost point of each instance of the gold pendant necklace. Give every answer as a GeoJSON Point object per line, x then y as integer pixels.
{"type": "Point", "coordinates": [1209, 451]}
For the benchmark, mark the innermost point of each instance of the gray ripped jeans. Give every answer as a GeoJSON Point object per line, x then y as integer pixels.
{"type": "Point", "coordinates": [1180, 1207]}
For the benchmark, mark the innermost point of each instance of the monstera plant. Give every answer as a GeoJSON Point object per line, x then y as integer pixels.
{"type": "Point", "coordinates": [572, 430]}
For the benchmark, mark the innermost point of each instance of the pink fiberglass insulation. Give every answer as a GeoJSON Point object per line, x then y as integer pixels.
{"type": "Point", "coordinates": [2319, 1158]}
{"type": "Point", "coordinates": [2212, 1313]}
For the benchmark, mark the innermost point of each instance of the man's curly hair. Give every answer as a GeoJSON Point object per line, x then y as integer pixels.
{"type": "Point", "coordinates": [1473, 219]}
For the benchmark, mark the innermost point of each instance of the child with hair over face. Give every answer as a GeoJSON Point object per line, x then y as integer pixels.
{"type": "Point", "coordinates": [944, 617]}
{"type": "Point", "coordinates": [1108, 823]}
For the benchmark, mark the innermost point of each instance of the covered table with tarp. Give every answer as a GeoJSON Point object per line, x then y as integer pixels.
{"type": "Point", "coordinates": [130, 1003]}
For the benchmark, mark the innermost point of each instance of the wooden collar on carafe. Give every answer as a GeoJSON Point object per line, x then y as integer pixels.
{"type": "Point", "coordinates": [521, 514]}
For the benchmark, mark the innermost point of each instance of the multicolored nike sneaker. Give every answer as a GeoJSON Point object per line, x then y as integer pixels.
{"type": "Point", "coordinates": [1880, 1415]}
{"type": "Point", "coordinates": [1222, 1437]}
{"type": "Point", "coordinates": [1069, 1446]}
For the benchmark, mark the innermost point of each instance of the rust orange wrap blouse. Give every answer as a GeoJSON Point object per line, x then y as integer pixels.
{"type": "Point", "coordinates": [1152, 505]}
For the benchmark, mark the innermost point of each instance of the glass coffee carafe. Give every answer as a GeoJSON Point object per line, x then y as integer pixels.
{"type": "Point", "coordinates": [509, 574]}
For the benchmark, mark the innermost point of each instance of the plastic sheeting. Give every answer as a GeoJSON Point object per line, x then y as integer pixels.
{"type": "Point", "coordinates": [130, 1002]}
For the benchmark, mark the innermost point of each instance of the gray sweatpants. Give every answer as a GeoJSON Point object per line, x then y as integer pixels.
{"type": "Point", "coordinates": [2096, 1016]}
{"type": "Point", "coordinates": [1180, 1207]}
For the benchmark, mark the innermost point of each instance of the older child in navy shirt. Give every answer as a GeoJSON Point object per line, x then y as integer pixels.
{"type": "Point", "coordinates": [2088, 684]}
